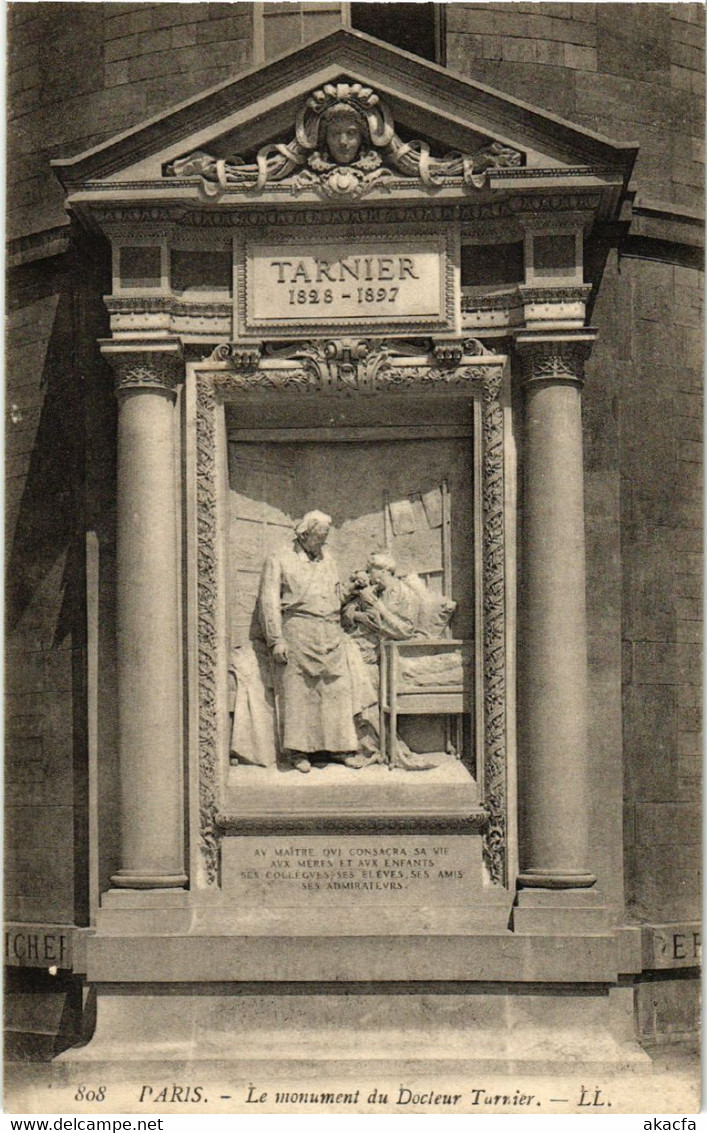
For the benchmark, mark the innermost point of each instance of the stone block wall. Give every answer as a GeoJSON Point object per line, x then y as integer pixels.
{"type": "Point", "coordinates": [80, 73]}
{"type": "Point", "coordinates": [668, 1010]}
{"type": "Point", "coordinates": [45, 793]}
{"type": "Point", "coordinates": [661, 512]}
{"type": "Point", "coordinates": [635, 80]}
{"type": "Point", "coordinates": [53, 379]}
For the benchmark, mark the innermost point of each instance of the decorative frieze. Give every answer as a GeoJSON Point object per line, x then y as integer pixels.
{"type": "Point", "coordinates": [576, 294]}
{"type": "Point", "coordinates": [521, 294]}
{"type": "Point", "coordinates": [139, 304]}
{"type": "Point", "coordinates": [503, 301]}
{"type": "Point", "coordinates": [533, 306]}
{"type": "Point", "coordinates": [336, 365]}
{"type": "Point", "coordinates": [167, 315]}
{"type": "Point", "coordinates": [430, 213]}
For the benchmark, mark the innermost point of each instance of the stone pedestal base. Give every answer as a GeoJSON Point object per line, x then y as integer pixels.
{"type": "Point", "coordinates": [136, 910]}
{"type": "Point", "coordinates": [353, 1028]}
{"type": "Point", "coordinates": [339, 990]}
{"type": "Point", "coordinates": [553, 912]}
{"type": "Point", "coordinates": [374, 797]}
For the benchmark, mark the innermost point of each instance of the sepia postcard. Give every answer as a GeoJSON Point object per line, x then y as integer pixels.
{"type": "Point", "coordinates": [353, 559]}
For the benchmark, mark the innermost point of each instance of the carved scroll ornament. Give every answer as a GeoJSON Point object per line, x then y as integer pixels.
{"type": "Point", "coordinates": [342, 364]}
{"type": "Point", "coordinates": [345, 144]}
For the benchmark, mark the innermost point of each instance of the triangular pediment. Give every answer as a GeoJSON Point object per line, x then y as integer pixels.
{"type": "Point", "coordinates": [419, 126]}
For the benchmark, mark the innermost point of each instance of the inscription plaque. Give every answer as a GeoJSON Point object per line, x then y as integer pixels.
{"type": "Point", "coordinates": [672, 945]}
{"type": "Point", "coordinates": [345, 869]}
{"type": "Point", "coordinates": [38, 945]}
{"type": "Point", "coordinates": [346, 281]}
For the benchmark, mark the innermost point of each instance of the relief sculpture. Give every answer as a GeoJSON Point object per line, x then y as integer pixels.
{"type": "Point", "coordinates": [381, 606]}
{"type": "Point", "coordinates": [299, 606]}
{"type": "Point", "coordinates": [307, 689]}
{"type": "Point", "coordinates": [345, 143]}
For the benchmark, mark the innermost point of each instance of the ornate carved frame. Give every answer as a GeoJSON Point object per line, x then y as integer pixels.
{"type": "Point", "coordinates": [349, 368]}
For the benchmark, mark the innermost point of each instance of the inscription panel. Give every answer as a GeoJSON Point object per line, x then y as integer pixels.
{"type": "Point", "coordinates": [367, 870]}
{"type": "Point", "coordinates": [354, 283]}
{"type": "Point", "coordinates": [672, 945]}
{"type": "Point", "coordinates": [38, 945]}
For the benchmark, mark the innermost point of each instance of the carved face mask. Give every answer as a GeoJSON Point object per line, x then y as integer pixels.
{"type": "Point", "coordinates": [343, 138]}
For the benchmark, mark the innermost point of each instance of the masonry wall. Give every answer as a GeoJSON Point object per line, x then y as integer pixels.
{"type": "Point", "coordinates": [77, 74]}
{"type": "Point", "coordinates": [45, 789]}
{"type": "Point", "coordinates": [636, 75]}
{"type": "Point", "coordinates": [634, 78]}
{"type": "Point", "coordinates": [661, 466]}
{"type": "Point", "coordinates": [81, 73]}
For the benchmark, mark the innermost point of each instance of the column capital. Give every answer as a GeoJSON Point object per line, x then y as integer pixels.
{"type": "Point", "coordinates": [554, 357]}
{"type": "Point", "coordinates": [145, 365]}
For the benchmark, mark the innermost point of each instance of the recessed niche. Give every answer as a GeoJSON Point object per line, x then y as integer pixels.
{"type": "Point", "coordinates": [490, 265]}
{"type": "Point", "coordinates": [206, 270]}
{"type": "Point", "coordinates": [554, 256]}
{"type": "Point", "coordinates": [139, 267]}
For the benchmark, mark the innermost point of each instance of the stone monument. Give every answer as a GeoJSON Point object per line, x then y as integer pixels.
{"type": "Point", "coordinates": [317, 723]}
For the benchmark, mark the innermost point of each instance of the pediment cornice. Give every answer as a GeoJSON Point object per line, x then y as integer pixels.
{"type": "Point", "coordinates": [424, 132]}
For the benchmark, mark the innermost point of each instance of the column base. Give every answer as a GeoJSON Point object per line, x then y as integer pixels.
{"type": "Point", "coordinates": [553, 912]}
{"type": "Point", "coordinates": [136, 911]}
{"type": "Point", "coordinates": [137, 879]}
{"type": "Point", "coordinates": [555, 879]}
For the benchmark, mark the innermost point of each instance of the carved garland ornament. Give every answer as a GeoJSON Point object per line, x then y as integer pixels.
{"type": "Point", "coordinates": [209, 776]}
{"type": "Point", "coordinates": [344, 145]}
{"type": "Point", "coordinates": [345, 365]}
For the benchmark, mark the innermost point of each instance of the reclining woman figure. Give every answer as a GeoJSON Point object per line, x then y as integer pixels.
{"type": "Point", "coordinates": [381, 606]}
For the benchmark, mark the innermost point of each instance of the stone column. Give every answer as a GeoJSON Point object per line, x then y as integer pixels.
{"type": "Point", "coordinates": [554, 761]}
{"type": "Point", "coordinates": [148, 593]}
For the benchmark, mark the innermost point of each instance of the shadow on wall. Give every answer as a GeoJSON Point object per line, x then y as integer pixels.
{"type": "Point", "coordinates": [48, 519]}
{"type": "Point", "coordinates": [60, 424]}
{"type": "Point", "coordinates": [74, 435]}
{"type": "Point", "coordinates": [44, 1014]}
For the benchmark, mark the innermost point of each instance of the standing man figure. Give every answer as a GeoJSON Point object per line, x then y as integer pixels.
{"type": "Point", "coordinates": [300, 613]}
